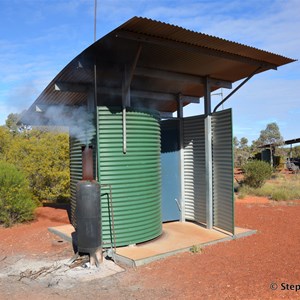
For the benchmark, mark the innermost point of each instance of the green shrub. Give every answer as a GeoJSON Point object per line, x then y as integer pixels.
{"type": "Point", "coordinates": [43, 157]}
{"type": "Point", "coordinates": [279, 188]}
{"type": "Point", "coordinates": [256, 173]}
{"type": "Point", "coordinates": [16, 204]}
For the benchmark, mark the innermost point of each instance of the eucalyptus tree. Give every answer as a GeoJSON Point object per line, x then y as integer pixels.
{"type": "Point", "coordinates": [270, 137]}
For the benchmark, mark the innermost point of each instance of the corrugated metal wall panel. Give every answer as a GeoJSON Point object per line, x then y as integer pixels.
{"type": "Point", "coordinates": [194, 169]}
{"type": "Point", "coordinates": [223, 201]}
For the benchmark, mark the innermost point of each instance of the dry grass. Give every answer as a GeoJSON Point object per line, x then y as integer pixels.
{"type": "Point", "coordinates": [278, 188]}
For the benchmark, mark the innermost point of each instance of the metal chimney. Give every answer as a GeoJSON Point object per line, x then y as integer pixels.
{"type": "Point", "coordinates": [87, 162]}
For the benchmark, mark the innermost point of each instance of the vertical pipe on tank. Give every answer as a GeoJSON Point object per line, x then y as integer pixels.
{"type": "Point", "coordinates": [128, 75]}
{"type": "Point", "coordinates": [124, 130]}
{"type": "Point", "coordinates": [181, 153]}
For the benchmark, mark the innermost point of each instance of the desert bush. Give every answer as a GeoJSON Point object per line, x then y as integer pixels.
{"type": "Point", "coordinates": [256, 173]}
{"type": "Point", "coordinates": [277, 189]}
{"type": "Point", "coordinates": [16, 204]}
{"type": "Point", "coordinates": [43, 157]}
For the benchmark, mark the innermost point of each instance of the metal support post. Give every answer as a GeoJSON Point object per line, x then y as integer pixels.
{"type": "Point", "coordinates": [208, 155]}
{"type": "Point", "coordinates": [207, 97]}
{"type": "Point", "coordinates": [181, 151]}
{"type": "Point", "coordinates": [208, 173]}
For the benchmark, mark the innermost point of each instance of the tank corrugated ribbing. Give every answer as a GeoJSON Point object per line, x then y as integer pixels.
{"type": "Point", "coordinates": [135, 177]}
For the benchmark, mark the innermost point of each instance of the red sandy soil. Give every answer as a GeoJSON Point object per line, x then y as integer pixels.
{"type": "Point", "coordinates": [33, 238]}
{"type": "Point", "coordinates": [239, 269]}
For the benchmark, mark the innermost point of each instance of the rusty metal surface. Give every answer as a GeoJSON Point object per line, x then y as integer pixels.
{"type": "Point", "coordinates": [87, 163]}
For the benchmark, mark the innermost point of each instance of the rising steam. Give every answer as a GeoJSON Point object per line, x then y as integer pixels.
{"type": "Point", "coordinates": [79, 121]}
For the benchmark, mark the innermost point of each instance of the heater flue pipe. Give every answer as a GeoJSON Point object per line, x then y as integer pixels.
{"type": "Point", "coordinates": [87, 163]}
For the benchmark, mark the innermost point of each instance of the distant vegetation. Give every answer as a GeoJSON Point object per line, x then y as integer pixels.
{"type": "Point", "coordinates": [44, 158]}
{"type": "Point", "coordinates": [257, 173]}
{"type": "Point", "coordinates": [34, 167]}
{"type": "Point", "coordinates": [277, 189]}
{"type": "Point", "coordinates": [269, 136]}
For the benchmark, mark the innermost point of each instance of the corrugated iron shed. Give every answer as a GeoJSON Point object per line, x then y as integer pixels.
{"type": "Point", "coordinates": [161, 60]}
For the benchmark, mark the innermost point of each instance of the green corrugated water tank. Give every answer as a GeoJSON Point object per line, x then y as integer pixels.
{"type": "Point", "coordinates": [135, 176]}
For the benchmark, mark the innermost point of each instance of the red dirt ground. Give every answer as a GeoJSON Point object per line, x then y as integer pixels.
{"type": "Point", "coordinates": [239, 269]}
{"type": "Point", "coordinates": [33, 238]}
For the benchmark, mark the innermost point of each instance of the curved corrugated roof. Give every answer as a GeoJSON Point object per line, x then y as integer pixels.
{"type": "Point", "coordinates": [181, 35]}
{"type": "Point", "coordinates": [172, 61]}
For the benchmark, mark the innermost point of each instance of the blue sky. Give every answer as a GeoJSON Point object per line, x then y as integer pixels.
{"type": "Point", "coordinates": [39, 37]}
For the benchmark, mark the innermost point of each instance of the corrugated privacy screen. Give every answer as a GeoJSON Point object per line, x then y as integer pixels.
{"type": "Point", "coordinates": [223, 202]}
{"type": "Point", "coordinates": [194, 169]}
{"type": "Point", "coordinates": [222, 170]}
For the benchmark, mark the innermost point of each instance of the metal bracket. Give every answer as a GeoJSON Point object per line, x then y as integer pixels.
{"type": "Point", "coordinates": [178, 204]}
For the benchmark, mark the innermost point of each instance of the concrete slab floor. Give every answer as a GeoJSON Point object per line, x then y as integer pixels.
{"type": "Point", "coordinates": [176, 237]}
